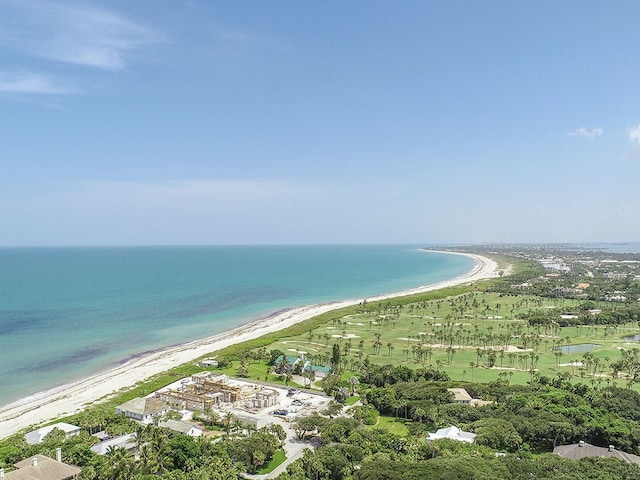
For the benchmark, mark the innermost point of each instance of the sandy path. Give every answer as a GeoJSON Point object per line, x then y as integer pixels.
{"type": "Point", "coordinates": [72, 398]}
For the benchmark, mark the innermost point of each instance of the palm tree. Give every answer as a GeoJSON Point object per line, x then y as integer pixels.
{"type": "Point", "coordinates": [353, 381]}
{"type": "Point", "coordinates": [227, 421]}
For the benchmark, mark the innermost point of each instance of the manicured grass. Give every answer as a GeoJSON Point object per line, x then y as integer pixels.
{"type": "Point", "coordinates": [352, 400]}
{"type": "Point", "coordinates": [276, 460]}
{"type": "Point", "coordinates": [456, 337]}
{"type": "Point", "coordinates": [392, 425]}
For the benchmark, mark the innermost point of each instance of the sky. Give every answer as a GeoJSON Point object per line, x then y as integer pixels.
{"type": "Point", "coordinates": [171, 122]}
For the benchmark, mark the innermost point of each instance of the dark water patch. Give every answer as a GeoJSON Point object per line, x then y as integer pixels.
{"type": "Point", "coordinates": [17, 321]}
{"type": "Point", "coordinates": [53, 364]}
{"type": "Point", "coordinates": [632, 338]}
{"type": "Point", "coordinates": [212, 302]}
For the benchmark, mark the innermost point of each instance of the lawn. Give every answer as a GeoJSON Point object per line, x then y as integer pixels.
{"type": "Point", "coordinates": [393, 425]}
{"type": "Point", "coordinates": [276, 460]}
{"type": "Point", "coordinates": [476, 336]}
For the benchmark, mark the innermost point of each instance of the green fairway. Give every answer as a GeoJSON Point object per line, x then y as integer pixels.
{"type": "Point", "coordinates": [475, 336]}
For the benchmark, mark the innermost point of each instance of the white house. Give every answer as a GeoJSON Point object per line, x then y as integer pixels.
{"type": "Point", "coordinates": [38, 435]}
{"type": "Point", "coordinates": [182, 427]}
{"type": "Point", "coordinates": [127, 442]}
{"type": "Point", "coordinates": [452, 433]}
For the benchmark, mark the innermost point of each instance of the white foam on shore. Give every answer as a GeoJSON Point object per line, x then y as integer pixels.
{"type": "Point", "coordinates": [74, 397]}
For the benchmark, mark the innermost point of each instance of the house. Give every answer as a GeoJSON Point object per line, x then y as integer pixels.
{"type": "Point", "coordinates": [37, 436]}
{"type": "Point", "coordinates": [319, 372]}
{"type": "Point", "coordinates": [144, 410]}
{"type": "Point", "coordinates": [284, 364]}
{"type": "Point", "coordinates": [584, 449]}
{"type": "Point", "coordinates": [182, 427]}
{"type": "Point", "coordinates": [128, 442]}
{"type": "Point", "coordinates": [452, 433]}
{"type": "Point", "coordinates": [460, 395]}
{"type": "Point", "coordinates": [208, 362]}
{"type": "Point", "coordinates": [40, 467]}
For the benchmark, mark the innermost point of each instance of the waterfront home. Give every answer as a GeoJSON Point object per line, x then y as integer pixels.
{"type": "Point", "coordinates": [37, 436]}
{"type": "Point", "coordinates": [144, 410]}
{"type": "Point", "coordinates": [185, 428]}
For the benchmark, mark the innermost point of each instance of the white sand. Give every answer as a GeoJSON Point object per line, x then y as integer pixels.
{"type": "Point", "coordinates": [74, 397]}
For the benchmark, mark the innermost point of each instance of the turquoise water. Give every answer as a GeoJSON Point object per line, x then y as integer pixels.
{"type": "Point", "coordinates": [66, 313]}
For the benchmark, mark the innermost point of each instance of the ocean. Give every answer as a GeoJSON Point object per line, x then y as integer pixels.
{"type": "Point", "coordinates": [67, 313]}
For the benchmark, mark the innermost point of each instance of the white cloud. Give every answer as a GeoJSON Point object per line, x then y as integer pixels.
{"type": "Point", "coordinates": [70, 33]}
{"type": "Point", "coordinates": [634, 135]}
{"type": "Point", "coordinates": [32, 83]}
{"type": "Point", "coordinates": [583, 132]}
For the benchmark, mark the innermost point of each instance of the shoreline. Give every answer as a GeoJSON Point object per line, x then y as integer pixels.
{"type": "Point", "coordinates": [74, 397]}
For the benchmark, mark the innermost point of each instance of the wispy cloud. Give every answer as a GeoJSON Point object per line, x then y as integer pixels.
{"type": "Point", "coordinates": [33, 83]}
{"type": "Point", "coordinates": [584, 132]}
{"type": "Point", "coordinates": [634, 135]}
{"type": "Point", "coordinates": [76, 34]}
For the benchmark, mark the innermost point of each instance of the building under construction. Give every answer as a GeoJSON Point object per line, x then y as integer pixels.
{"type": "Point", "coordinates": [206, 391]}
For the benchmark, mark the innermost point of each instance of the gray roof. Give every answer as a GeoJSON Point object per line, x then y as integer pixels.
{"type": "Point", "coordinates": [584, 449]}
{"type": "Point", "coordinates": [178, 426]}
{"type": "Point", "coordinates": [143, 406]}
{"type": "Point", "coordinates": [36, 436]}
{"type": "Point", "coordinates": [124, 441]}
{"type": "Point", "coordinates": [46, 469]}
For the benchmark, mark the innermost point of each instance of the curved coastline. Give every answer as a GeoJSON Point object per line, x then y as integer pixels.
{"type": "Point", "coordinates": [71, 398]}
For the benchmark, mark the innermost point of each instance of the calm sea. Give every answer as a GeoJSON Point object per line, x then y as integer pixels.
{"type": "Point", "coordinates": [66, 313]}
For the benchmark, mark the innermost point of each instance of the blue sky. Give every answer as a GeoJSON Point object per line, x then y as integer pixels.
{"type": "Point", "coordinates": [203, 122]}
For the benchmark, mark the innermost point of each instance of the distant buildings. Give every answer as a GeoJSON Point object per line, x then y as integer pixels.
{"type": "Point", "coordinates": [554, 265]}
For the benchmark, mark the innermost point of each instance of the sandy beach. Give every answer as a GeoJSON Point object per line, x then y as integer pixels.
{"type": "Point", "coordinates": [71, 398]}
